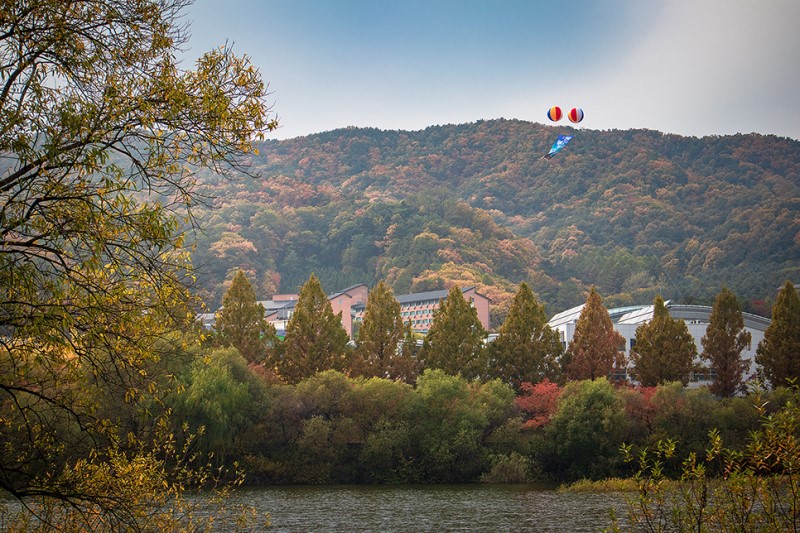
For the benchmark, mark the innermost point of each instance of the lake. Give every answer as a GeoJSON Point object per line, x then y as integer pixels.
{"type": "Point", "coordinates": [422, 508]}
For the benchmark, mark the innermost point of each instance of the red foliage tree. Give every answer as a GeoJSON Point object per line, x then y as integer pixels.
{"type": "Point", "coordinates": [539, 402]}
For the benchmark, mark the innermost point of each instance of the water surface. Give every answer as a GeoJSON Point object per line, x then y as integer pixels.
{"type": "Point", "coordinates": [428, 508]}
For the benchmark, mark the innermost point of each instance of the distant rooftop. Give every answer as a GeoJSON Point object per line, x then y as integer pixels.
{"type": "Point", "coordinates": [637, 314]}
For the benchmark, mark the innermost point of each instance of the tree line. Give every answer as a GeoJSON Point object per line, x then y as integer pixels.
{"type": "Point", "coordinates": [331, 428]}
{"type": "Point", "coordinates": [526, 349]}
{"type": "Point", "coordinates": [313, 410]}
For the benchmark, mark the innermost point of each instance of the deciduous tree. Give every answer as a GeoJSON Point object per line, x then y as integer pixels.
{"type": "Point", "coordinates": [527, 349]}
{"type": "Point", "coordinates": [455, 341]}
{"type": "Point", "coordinates": [315, 339]}
{"type": "Point", "coordinates": [101, 133]}
{"type": "Point", "coordinates": [215, 401]}
{"type": "Point", "coordinates": [587, 429]}
{"type": "Point", "coordinates": [664, 349]}
{"type": "Point", "coordinates": [779, 352]}
{"type": "Point", "coordinates": [596, 346]}
{"type": "Point", "coordinates": [241, 322]}
{"type": "Point", "coordinates": [723, 343]}
{"type": "Point", "coordinates": [538, 402]}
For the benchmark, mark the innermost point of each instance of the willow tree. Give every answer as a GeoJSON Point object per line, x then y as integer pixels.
{"type": "Point", "coordinates": [723, 343]}
{"type": "Point", "coordinates": [455, 341]}
{"type": "Point", "coordinates": [241, 322]}
{"type": "Point", "coordinates": [101, 136]}
{"type": "Point", "coordinates": [315, 339]}
{"type": "Point", "coordinates": [779, 352]}
{"type": "Point", "coordinates": [596, 347]}
{"type": "Point", "coordinates": [664, 349]}
{"type": "Point", "coordinates": [526, 349]}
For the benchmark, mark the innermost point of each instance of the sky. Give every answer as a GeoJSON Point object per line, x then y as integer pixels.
{"type": "Point", "coordinates": [690, 67]}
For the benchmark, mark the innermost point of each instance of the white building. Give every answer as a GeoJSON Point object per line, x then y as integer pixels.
{"type": "Point", "coordinates": [696, 317]}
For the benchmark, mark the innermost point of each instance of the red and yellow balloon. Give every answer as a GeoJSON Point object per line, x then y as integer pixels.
{"type": "Point", "coordinates": [554, 113]}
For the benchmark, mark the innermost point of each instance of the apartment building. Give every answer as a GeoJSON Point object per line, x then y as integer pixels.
{"type": "Point", "coordinates": [417, 308]}
{"type": "Point", "coordinates": [350, 303]}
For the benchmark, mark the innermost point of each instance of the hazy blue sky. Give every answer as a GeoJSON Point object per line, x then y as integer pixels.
{"type": "Point", "coordinates": [693, 67]}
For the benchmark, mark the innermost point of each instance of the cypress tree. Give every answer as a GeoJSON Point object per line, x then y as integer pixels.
{"type": "Point", "coordinates": [596, 346]}
{"type": "Point", "coordinates": [664, 349]}
{"type": "Point", "coordinates": [241, 322]}
{"type": "Point", "coordinates": [779, 352]}
{"type": "Point", "coordinates": [378, 352]}
{"type": "Point", "coordinates": [410, 364]}
{"type": "Point", "coordinates": [723, 343]}
{"type": "Point", "coordinates": [526, 349]}
{"type": "Point", "coordinates": [455, 342]}
{"type": "Point", "coordinates": [315, 339]}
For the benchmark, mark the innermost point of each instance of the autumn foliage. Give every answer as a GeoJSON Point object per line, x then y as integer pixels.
{"type": "Point", "coordinates": [596, 346]}
{"type": "Point", "coordinates": [538, 402]}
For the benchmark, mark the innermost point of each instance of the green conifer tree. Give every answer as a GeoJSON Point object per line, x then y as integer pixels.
{"type": "Point", "coordinates": [723, 343]}
{"type": "Point", "coordinates": [377, 352]}
{"type": "Point", "coordinates": [315, 339]}
{"type": "Point", "coordinates": [455, 342]}
{"type": "Point", "coordinates": [411, 364]}
{"type": "Point", "coordinates": [664, 349]}
{"type": "Point", "coordinates": [527, 349]}
{"type": "Point", "coordinates": [596, 347]}
{"type": "Point", "coordinates": [779, 352]}
{"type": "Point", "coordinates": [241, 322]}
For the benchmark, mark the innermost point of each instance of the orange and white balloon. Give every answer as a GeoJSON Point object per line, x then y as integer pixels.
{"type": "Point", "coordinates": [575, 115]}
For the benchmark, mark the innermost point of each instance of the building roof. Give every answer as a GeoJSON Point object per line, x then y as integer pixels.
{"type": "Point", "coordinates": [273, 305]}
{"type": "Point", "coordinates": [566, 317]}
{"type": "Point", "coordinates": [697, 314]}
{"type": "Point", "coordinates": [431, 295]}
{"type": "Point", "coordinates": [638, 314]}
{"type": "Point", "coordinates": [346, 291]}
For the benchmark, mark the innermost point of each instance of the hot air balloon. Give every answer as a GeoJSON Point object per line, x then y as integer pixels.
{"type": "Point", "coordinates": [575, 115]}
{"type": "Point", "coordinates": [554, 113]}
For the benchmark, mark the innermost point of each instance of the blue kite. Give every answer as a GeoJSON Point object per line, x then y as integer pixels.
{"type": "Point", "coordinates": [560, 143]}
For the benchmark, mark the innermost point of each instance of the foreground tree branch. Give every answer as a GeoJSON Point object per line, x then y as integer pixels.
{"type": "Point", "coordinates": [101, 138]}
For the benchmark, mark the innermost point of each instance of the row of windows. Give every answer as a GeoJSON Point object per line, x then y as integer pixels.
{"type": "Point", "coordinates": [416, 313]}
{"type": "Point", "coordinates": [419, 304]}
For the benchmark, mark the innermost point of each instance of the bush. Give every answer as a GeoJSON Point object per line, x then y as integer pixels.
{"type": "Point", "coordinates": [513, 468]}
{"type": "Point", "coordinates": [759, 489]}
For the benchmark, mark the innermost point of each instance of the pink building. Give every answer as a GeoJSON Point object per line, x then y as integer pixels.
{"type": "Point", "coordinates": [417, 308]}
{"type": "Point", "coordinates": [343, 302]}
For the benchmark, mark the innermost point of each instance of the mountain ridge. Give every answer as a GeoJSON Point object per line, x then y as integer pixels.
{"type": "Point", "coordinates": [633, 212]}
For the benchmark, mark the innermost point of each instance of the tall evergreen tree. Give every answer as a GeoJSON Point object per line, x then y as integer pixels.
{"type": "Point", "coordinates": [527, 349]}
{"type": "Point", "coordinates": [779, 352]}
{"type": "Point", "coordinates": [596, 346]}
{"type": "Point", "coordinates": [315, 339]}
{"type": "Point", "coordinates": [664, 349]}
{"type": "Point", "coordinates": [241, 322]}
{"type": "Point", "coordinates": [723, 343]}
{"type": "Point", "coordinates": [378, 352]}
{"type": "Point", "coordinates": [411, 366]}
{"type": "Point", "coordinates": [455, 342]}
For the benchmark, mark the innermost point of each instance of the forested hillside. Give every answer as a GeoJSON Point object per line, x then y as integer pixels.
{"type": "Point", "coordinates": [631, 212]}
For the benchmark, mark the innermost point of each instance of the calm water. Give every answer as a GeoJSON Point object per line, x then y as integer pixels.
{"type": "Point", "coordinates": [427, 508]}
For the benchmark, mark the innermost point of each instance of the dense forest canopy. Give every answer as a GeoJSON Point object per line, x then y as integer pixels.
{"type": "Point", "coordinates": [633, 212]}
